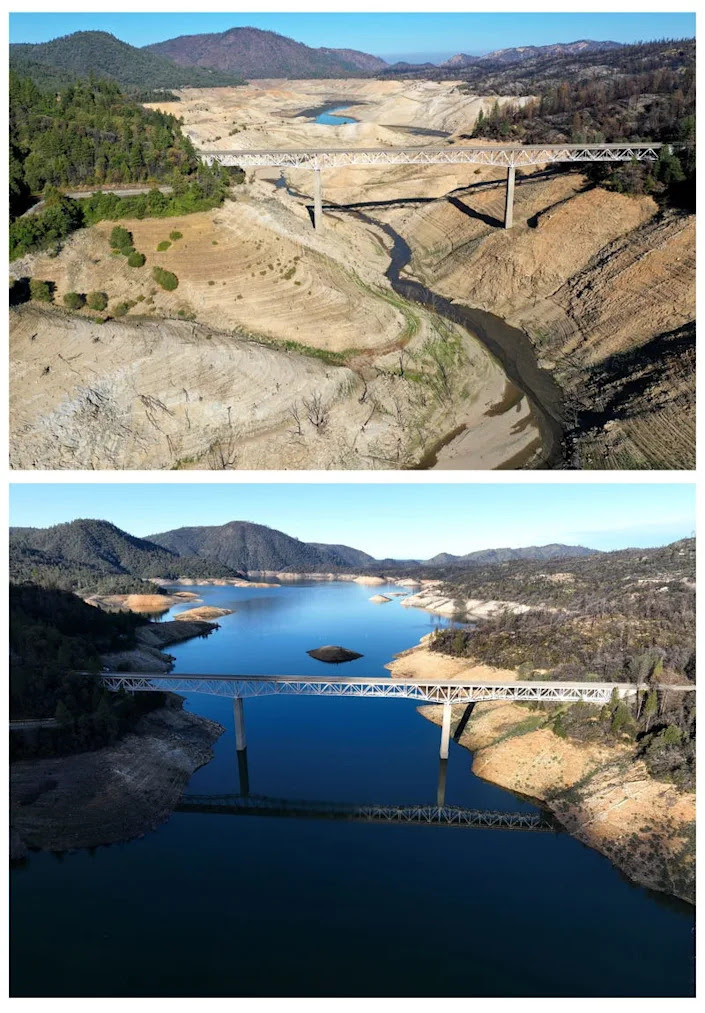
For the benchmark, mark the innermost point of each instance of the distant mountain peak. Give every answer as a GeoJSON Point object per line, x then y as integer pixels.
{"type": "Point", "coordinates": [258, 53]}
{"type": "Point", "coordinates": [516, 54]}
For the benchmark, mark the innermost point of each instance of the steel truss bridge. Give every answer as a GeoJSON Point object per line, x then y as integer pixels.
{"type": "Point", "coordinates": [507, 156]}
{"type": "Point", "coordinates": [242, 686]}
{"type": "Point", "coordinates": [238, 687]}
{"type": "Point", "coordinates": [481, 154]}
{"type": "Point", "coordinates": [424, 815]}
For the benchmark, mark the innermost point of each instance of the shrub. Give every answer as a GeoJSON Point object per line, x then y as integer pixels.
{"type": "Point", "coordinates": [621, 718]}
{"type": "Point", "coordinates": [74, 300]}
{"type": "Point", "coordinates": [164, 245]}
{"type": "Point", "coordinates": [175, 235]}
{"type": "Point", "coordinates": [126, 251]}
{"type": "Point", "coordinates": [136, 259]}
{"type": "Point", "coordinates": [41, 291]}
{"type": "Point", "coordinates": [672, 735]}
{"type": "Point", "coordinates": [45, 229]}
{"type": "Point", "coordinates": [120, 310]}
{"type": "Point", "coordinates": [166, 279]}
{"type": "Point", "coordinates": [97, 300]}
{"type": "Point", "coordinates": [120, 237]}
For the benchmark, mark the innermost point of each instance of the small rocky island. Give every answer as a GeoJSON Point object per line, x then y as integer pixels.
{"type": "Point", "coordinates": [333, 654]}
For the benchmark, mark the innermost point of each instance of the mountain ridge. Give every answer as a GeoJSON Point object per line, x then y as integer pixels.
{"type": "Point", "coordinates": [226, 550]}
{"type": "Point", "coordinates": [256, 53]}
{"type": "Point", "coordinates": [86, 552]}
{"type": "Point", "coordinates": [65, 59]}
{"type": "Point", "coordinates": [516, 54]}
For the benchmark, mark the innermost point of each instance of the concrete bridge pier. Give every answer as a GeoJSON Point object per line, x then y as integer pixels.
{"type": "Point", "coordinates": [445, 731]}
{"type": "Point", "coordinates": [239, 715]}
{"type": "Point", "coordinates": [441, 790]}
{"type": "Point", "coordinates": [317, 197]}
{"type": "Point", "coordinates": [509, 202]}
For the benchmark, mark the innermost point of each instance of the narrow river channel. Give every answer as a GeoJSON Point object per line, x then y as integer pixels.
{"type": "Point", "coordinates": [243, 905]}
{"type": "Point", "coordinates": [510, 346]}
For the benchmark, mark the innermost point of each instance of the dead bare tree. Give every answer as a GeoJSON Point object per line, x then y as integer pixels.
{"type": "Point", "coordinates": [316, 412]}
{"type": "Point", "coordinates": [295, 411]}
{"type": "Point", "coordinates": [222, 455]}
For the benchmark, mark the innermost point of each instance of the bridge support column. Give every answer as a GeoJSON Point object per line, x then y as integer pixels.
{"type": "Point", "coordinates": [509, 203]}
{"type": "Point", "coordinates": [441, 790]}
{"type": "Point", "coordinates": [445, 731]}
{"type": "Point", "coordinates": [239, 715]}
{"type": "Point", "coordinates": [317, 198]}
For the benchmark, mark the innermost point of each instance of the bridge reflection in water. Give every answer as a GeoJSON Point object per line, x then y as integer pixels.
{"type": "Point", "coordinates": [440, 814]}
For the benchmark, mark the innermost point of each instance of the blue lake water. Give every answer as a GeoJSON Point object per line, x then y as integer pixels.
{"type": "Point", "coordinates": [331, 117]}
{"type": "Point", "coordinates": [223, 905]}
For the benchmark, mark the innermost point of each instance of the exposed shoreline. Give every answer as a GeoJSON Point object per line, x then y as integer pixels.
{"type": "Point", "coordinates": [602, 795]}
{"type": "Point", "coordinates": [121, 791]}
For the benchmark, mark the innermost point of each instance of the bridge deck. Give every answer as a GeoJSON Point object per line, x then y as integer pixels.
{"type": "Point", "coordinates": [506, 155]}
{"type": "Point", "coordinates": [455, 691]}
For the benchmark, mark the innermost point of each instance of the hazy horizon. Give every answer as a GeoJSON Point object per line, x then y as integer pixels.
{"type": "Point", "coordinates": [400, 520]}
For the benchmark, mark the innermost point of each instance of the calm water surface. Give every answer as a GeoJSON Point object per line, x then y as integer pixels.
{"type": "Point", "coordinates": [332, 118]}
{"type": "Point", "coordinates": [222, 905]}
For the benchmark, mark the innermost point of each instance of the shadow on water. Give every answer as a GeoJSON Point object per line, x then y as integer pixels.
{"type": "Point", "coordinates": [510, 346]}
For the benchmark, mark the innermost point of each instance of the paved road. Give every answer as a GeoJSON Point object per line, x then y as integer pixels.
{"type": "Point", "coordinates": [121, 191]}
{"type": "Point", "coordinates": [21, 726]}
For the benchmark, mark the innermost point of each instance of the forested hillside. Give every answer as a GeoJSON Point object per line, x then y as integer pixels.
{"type": "Point", "coordinates": [91, 134]}
{"type": "Point", "coordinates": [257, 53]}
{"type": "Point", "coordinates": [52, 635]}
{"type": "Point", "coordinates": [246, 546]}
{"type": "Point", "coordinates": [618, 617]}
{"type": "Point", "coordinates": [55, 64]}
{"type": "Point", "coordinates": [644, 92]}
{"type": "Point", "coordinates": [88, 556]}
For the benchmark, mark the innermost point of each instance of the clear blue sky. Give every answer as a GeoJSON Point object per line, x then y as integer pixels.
{"type": "Point", "coordinates": [409, 36]}
{"type": "Point", "coordinates": [400, 520]}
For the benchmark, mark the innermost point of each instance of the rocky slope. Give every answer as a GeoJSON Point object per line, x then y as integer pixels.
{"type": "Point", "coordinates": [601, 795]}
{"type": "Point", "coordinates": [111, 794]}
{"type": "Point", "coordinates": [604, 284]}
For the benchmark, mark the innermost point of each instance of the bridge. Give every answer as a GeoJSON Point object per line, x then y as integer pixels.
{"type": "Point", "coordinates": [420, 814]}
{"type": "Point", "coordinates": [508, 156]}
{"type": "Point", "coordinates": [238, 687]}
